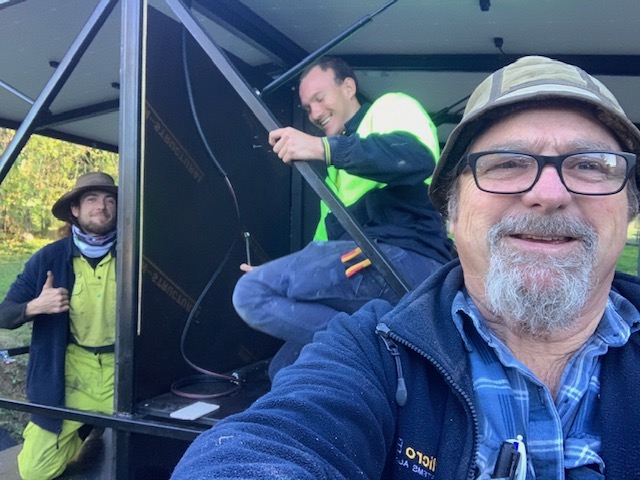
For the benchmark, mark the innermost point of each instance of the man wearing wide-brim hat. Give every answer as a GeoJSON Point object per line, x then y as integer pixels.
{"type": "Point", "coordinates": [68, 291]}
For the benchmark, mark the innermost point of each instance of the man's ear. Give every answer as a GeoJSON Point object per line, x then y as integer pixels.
{"type": "Point", "coordinates": [349, 86]}
{"type": "Point", "coordinates": [75, 210]}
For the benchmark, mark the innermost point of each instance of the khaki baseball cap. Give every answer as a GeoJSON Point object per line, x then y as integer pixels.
{"type": "Point", "coordinates": [529, 80]}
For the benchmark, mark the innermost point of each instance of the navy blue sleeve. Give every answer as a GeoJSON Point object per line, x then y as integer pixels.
{"type": "Point", "coordinates": [22, 291]}
{"type": "Point", "coordinates": [12, 314]}
{"type": "Point", "coordinates": [396, 158]}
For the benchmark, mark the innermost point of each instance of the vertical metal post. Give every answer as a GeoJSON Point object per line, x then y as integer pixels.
{"type": "Point", "coordinates": [131, 152]}
{"type": "Point", "coordinates": [298, 207]}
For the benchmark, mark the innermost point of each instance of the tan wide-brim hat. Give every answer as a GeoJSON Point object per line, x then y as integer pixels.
{"type": "Point", "coordinates": [87, 182]}
{"type": "Point", "coordinates": [529, 80]}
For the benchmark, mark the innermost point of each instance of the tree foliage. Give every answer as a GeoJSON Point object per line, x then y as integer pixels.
{"type": "Point", "coordinates": [45, 169]}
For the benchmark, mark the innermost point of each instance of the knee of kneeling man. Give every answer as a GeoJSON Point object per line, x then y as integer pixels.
{"type": "Point", "coordinates": [39, 471]}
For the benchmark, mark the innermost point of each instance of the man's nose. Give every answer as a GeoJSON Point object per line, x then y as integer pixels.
{"type": "Point", "coordinates": [315, 112]}
{"type": "Point", "coordinates": [549, 192]}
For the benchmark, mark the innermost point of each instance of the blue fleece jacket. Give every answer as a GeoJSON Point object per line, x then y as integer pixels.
{"type": "Point", "coordinates": [50, 336]}
{"type": "Point", "coordinates": [398, 404]}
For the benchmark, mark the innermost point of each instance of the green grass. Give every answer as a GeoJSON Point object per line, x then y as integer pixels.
{"type": "Point", "coordinates": [13, 256]}
{"type": "Point", "coordinates": [628, 261]}
{"type": "Point", "coordinates": [10, 266]}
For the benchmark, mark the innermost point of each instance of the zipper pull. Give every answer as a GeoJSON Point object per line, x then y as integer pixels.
{"type": "Point", "coordinates": [401, 390]}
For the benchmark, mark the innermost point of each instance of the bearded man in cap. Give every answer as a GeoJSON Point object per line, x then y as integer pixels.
{"type": "Point", "coordinates": [68, 291]}
{"type": "Point", "coordinates": [521, 359]}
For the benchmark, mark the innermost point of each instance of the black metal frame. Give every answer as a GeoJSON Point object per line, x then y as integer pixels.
{"type": "Point", "coordinates": [324, 49]}
{"type": "Point", "coordinates": [124, 421]}
{"type": "Point", "coordinates": [243, 22]}
{"type": "Point", "coordinates": [80, 113]}
{"type": "Point", "coordinates": [120, 423]}
{"type": "Point", "coordinates": [67, 137]}
{"type": "Point", "coordinates": [55, 84]}
{"type": "Point", "coordinates": [265, 117]}
{"type": "Point", "coordinates": [613, 65]}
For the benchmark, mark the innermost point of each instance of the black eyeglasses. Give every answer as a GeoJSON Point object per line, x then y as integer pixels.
{"type": "Point", "coordinates": [585, 173]}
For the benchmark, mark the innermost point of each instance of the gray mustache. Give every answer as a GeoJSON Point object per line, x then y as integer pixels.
{"type": "Point", "coordinates": [556, 225]}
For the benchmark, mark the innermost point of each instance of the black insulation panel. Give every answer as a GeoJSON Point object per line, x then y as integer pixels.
{"type": "Point", "coordinates": [190, 225]}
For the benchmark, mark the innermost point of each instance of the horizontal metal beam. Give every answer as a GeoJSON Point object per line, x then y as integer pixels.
{"type": "Point", "coordinates": [14, 351]}
{"type": "Point", "coordinates": [66, 137]}
{"type": "Point", "coordinates": [128, 423]}
{"type": "Point", "coordinates": [54, 85]}
{"type": "Point", "coordinates": [613, 65]}
{"type": "Point", "coordinates": [80, 113]}
{"type": "Point", "coordinates": [16, 92]}
{"type": "Point", "coordinates": [240, 20]}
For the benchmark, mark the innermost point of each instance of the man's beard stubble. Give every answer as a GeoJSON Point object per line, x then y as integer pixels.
{"type": "Point", "coordinates": [96, 228]}
{"type": "Point", "coordinates": [540, 293]}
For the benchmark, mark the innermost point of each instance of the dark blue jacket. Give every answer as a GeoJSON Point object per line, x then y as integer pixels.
{"type": "Point", "coordinates": [341, 410]}
{"type": "Point", "coordinates": [50, 336]}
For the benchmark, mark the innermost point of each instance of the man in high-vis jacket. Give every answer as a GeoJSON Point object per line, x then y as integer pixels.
{"type": "Point", "coordinates": [378, 158]}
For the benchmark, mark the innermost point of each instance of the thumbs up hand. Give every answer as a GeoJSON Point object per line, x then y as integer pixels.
{"type": "Point", "coordinates": [49, 281]}
{"type": "Point", "coordinates": [50, 300]}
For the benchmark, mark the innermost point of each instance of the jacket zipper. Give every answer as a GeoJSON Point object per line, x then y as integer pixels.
{"type": "Point", "coordinates": [388, 337]}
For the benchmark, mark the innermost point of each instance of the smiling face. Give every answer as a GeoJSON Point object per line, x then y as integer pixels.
{"type": "Point", "coordinates": [537, 232]}
{"type": "Point", "coordinates": [328, 104]}
{"type": "Point", "coordinates": [95, 213]}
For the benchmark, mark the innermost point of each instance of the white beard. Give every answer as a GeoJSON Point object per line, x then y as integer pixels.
{"type": "Point", "coordinates": [540, 293]}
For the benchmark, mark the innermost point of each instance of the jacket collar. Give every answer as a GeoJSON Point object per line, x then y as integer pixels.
{"type": "Point", "coordinates": [422, 321]}
{"type": "Point", "coordinates": [353, 123]}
